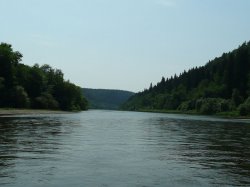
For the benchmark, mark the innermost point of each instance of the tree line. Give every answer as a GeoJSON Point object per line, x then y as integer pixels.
{"type": "Point", "coordinates": [38, 87]}
{"type": "Point", "coordinates": [222, 85]}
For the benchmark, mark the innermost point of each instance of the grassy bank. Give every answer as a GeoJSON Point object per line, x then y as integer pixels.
{"type": "Point", "coordinates": [230, 114]}
{"type": "Point", "coordinates": [12, 111]}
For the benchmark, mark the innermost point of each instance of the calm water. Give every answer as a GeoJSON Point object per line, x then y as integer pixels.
{"type": "Point", "coordinates": [108, 148]}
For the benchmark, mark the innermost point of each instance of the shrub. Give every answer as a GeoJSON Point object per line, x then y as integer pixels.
{"type": "Point", "coordinates": [46, 101]}
{"type": "Point", "coordinates": [187, 105]}
{"type": "Point", "coordinates": [212, 105]}
{"type": "Point", "coordinates": [244, 108]}
{"type": "Point", "coordinates": [20, 97]}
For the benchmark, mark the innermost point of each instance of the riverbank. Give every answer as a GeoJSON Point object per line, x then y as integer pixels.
{"type": "Point", "coordinates": [231, 114]}
{"type": "Point", "coordinates": [12, 111]}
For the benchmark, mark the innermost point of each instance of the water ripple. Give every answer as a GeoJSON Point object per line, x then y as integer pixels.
{"type": "Point", "coordinates": [107, 148]}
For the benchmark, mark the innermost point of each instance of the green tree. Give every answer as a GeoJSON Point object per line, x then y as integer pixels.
{"type": "Point", "coordinates": [20, 98]}
{"type": "Point", "coordinates": [46, 101]}
{"type": "Point", "coordinates": [36, 82]}
{"type": "Point", "coordinates": [8, 60]}
{"type": "Point", "coordinates": [220, 85]}
{"type": "Point", "coordinates": [23, 86]}
{"type": "Point", "coordinates": [236, 98]}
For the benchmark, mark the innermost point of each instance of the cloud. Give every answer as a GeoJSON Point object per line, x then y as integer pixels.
{"type": "Point", "coordinates": [167, 3]}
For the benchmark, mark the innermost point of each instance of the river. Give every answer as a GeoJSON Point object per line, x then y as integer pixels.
{"type": "Point", "coordinates": [113, 148]}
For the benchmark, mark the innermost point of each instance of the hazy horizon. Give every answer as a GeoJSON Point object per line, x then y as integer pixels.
{"type": "Point", "coordinates": [125, 45]}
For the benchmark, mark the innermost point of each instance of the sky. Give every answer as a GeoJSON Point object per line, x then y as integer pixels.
{"type": "Point", "coordinates": [123, 44]}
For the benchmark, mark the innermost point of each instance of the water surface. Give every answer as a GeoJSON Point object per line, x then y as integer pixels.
{"type": "Point", "coordinates": [110, 148]}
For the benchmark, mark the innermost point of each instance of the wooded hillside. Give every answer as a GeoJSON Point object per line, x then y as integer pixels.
{"type": "Point", "coordinates": [106, 99]}
{"type": "Point", "coordinates": [222, 85]}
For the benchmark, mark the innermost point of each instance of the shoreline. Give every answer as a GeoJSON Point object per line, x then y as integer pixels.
{"type": "Point", "coordinates": [226, 115]}
{"type": "Point", "coordinates": [12, 111]}
{"type": "Point", "coordinates": [4, 112]}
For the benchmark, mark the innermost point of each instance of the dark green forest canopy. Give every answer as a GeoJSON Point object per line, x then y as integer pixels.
{"type": "Point", "coordinates": [39, 87]}
{"type": "Point", "coordinates": [222, 85]}
{"type": "Point", "coordinates": [106, 99]}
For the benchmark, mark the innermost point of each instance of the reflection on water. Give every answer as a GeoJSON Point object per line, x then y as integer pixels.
{"type": "Point", "coordinates": [107, 148]}
{"type": "Point", "coordinates": [211, 147]}
{"type": "Point", "coordinates": [24, 141]}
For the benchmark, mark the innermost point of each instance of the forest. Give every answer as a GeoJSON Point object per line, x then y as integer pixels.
{"type": "Point", "coordinates": [105, 98]}
{"type": "Point", "coordinates": [36, 87]}
{"type": "Point", "coordinates": [222, 86]}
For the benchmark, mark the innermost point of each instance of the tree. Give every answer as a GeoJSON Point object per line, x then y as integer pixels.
{"type": "Point", "coordinates": [23, 86]}
{"type": "Point", "coordinates": [236, 98]}
{"type": "Point", "coordinates": [220, 85]}
{"type": "Point", "coordinates": [36, 82]}
{"type": "Point", "coordinates": [20, 98]}
{"type": "Point", "coordinates": [8, 60]}
{"type": "Point", "coordinates": [46, 101]}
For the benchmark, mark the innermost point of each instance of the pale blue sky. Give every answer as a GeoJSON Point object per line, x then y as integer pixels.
{"type": "Point", "coordinates": [123, 44]}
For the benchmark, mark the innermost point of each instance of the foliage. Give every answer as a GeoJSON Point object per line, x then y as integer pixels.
{"type": "Point", "coordinates": [20, 97]}
{"type": "Point", "coordinates": [221, 85]}
{"type": "Point", "coordinates": [244, 108]}
{"type": "Point", "coordinates": [40, 87]}
{"type": "Point", "coordinates": [46, 101]}
{"type": "Point", "coordinates": [212, 105]}
{"type": "Point", "coordinates": [236, 98]}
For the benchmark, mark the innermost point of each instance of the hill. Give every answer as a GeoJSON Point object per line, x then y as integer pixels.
{"type": "Point", "coordinates": [106, 99]}
{"type": "Point", "coordinates": [222, 85]}
{"type": "Point", "coordinates": [39, 87]}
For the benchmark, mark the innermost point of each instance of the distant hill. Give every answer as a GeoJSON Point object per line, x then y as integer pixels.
{"type": "Point", "coordinates": [222, 85]}
{"type": "Point", "coordinates": [106, 99]}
